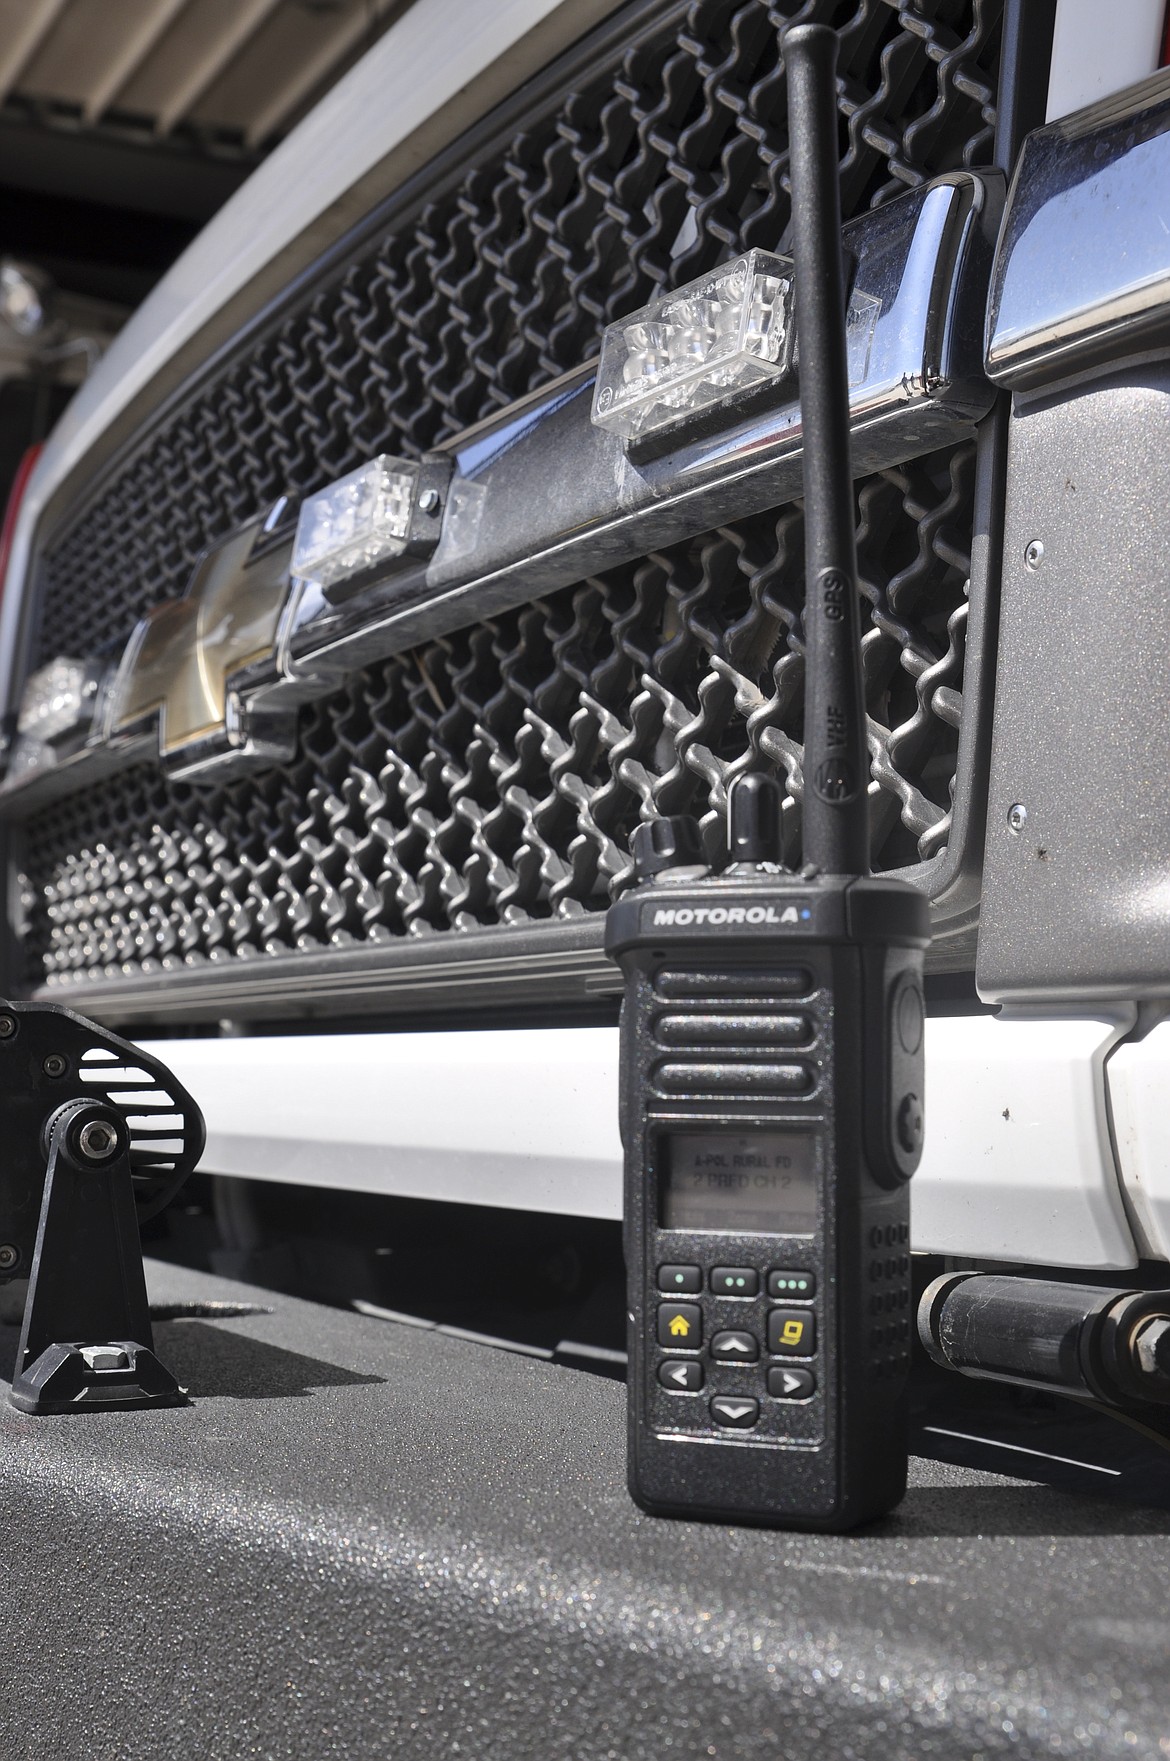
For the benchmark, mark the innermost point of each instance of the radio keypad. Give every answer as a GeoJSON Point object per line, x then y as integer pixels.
{"type": "Point", "coordinates": [738, 1335]}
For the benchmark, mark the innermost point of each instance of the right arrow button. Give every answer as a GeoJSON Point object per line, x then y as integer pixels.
{"type": "Point", "coordinates": [790, 1384]}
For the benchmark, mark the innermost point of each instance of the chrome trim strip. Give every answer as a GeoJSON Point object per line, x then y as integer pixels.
{"type": "Point", "coordinates": [1082, 270]}
{"type": "Point", "coordinates": [540, 498]}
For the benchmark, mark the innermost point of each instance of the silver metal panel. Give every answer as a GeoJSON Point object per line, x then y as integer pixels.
{"type": "Point", "coordinates": [1076, 885]}
{"type": "Point", "coordinates": [1082, 271]}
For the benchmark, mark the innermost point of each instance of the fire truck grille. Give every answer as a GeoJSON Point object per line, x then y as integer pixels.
{"type": "Point", "coordinates": [492, 777]}
{"type": "Point", "coordinates": [662, 157]}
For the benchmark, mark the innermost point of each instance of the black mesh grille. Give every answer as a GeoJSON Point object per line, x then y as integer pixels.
{"type": "Point", "coordinates": [666, 157]}
{"type": "Point", "coordinates": [493, 777]}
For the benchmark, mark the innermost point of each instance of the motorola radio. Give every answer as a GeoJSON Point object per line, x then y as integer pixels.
{"type": "Point", "coordinates": [772, 1058]}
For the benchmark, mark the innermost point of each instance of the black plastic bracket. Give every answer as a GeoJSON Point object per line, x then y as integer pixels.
{"type": "Point", "coordinates": [96, 1136]}
{"type": "Point", "coordinates": [86, 1339]}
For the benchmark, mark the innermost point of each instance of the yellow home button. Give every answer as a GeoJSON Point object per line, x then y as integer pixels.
{"type": "Point", "coordinates": [680, 1325]}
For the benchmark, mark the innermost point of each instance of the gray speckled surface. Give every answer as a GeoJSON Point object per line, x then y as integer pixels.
{"type": "Point", "coordinates": [368, 1540]}
{"type": "Point", "coordinates": [1074, 905]}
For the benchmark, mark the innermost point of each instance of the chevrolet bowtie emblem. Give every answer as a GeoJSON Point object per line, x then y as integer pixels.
{"type": "Point", "coordinates": [184, 652]}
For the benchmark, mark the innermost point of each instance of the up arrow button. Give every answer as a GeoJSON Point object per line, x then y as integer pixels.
{"type": "Point", "coordinates": [735, 1348]}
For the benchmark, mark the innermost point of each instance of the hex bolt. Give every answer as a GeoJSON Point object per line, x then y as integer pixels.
{"type": "Point", "coordinates": [7, 1026]}
{"type": "Point", "coordinates": [97, 1140]}
{"type": "Point", "coordinates": [428, 501]}
{"type": "Point", "coordinates": [1017, 817]}
{"type": "Point", "coordinates": [8, 1256]}
{"type": "Point", "coordinates": [55, 1065]}
{"type": "Point", "coordinates": [1152, 1347]}
{"type": "Point", "coordinates": [1033, 554]}
{"type": "Point", "coordinates": [106, 1357]}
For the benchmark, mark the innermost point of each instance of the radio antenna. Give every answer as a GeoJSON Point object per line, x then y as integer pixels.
{"type": "Point", "coordinates": [836, 769]}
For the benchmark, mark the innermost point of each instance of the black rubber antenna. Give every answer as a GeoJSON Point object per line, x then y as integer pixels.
{"type": "Point", "coordinates": [836, 768]}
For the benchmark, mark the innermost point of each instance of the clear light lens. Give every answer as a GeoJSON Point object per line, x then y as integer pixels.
{"type": "Point", "coordinates": [22, 303]}
{"type": "Point", "coordinates": [358, 521]}
{"type": "Point", "coordinates": [698, 346]}
{"type": "Point", "coordinates": [57, 700]}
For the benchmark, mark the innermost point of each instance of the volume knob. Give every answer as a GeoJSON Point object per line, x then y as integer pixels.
{"type": "Point", "coordinates": [753, 819]}
{"type": "Point", "coordinates": [674, 842]}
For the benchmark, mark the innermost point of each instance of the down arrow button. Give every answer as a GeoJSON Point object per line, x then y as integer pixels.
{"type": "Point", "coordinates": [739, 1413]}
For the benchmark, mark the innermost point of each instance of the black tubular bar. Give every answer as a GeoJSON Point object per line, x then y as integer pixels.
{"type": "Point", "coordinates": [836, 769]}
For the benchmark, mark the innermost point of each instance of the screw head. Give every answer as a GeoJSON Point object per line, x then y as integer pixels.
{"type": "Point", "coordinates": [1017, 817]}
{"type": "Point", "coordinates": [428, 501]}
{"type": "Point", "coordinates": [97, 1140]}
{"type": "Point", "coordinates": [1152, 1347]}
{"type": "Point", "coordinates": [7, 1026]}
{"type": "Point", "coordinates": [106, 1357]}
{"type": "Point", "coordinates": [8, 1256]}
{"type": "Point", "coordinates": [1033, 554]}
{"type": "Point", "coordinates": [54, 1065]}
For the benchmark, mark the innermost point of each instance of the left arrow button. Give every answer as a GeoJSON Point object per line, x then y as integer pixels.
{"type": "Point", "coordinates": [680, 1375]}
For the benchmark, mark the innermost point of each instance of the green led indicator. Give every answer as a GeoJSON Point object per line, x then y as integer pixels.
{"type": "Point", "coordinates": [740, 1282]}
{"type": "Point", "coordinates": [678, 1277]}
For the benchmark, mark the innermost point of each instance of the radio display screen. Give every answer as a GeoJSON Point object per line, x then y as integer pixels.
{"type": "Point", "coordinates": [740, 1183]}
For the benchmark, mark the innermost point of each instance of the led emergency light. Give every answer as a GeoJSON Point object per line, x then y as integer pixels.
{"type": "Point", "coordinates": [359, 521]}
{"type": "Point", "coordinates": [57, 699]}
{"type": "Point", "coordinates": [706, 342]}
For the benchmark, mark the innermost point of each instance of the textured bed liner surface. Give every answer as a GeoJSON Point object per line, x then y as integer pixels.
{"type": "Point", "coordinates": [366, 1539]}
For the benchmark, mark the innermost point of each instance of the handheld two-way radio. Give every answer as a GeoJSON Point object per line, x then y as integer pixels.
{"type": "Point", "coordinates": [772, 1047]}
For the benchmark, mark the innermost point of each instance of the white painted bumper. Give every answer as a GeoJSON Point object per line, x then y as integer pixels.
{"type": "Point", "coordinates": [1018, 1165]}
